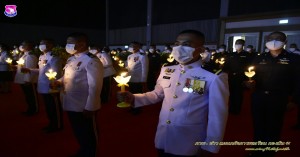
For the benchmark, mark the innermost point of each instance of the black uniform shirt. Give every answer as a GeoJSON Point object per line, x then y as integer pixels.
{"type": "Point", "coordinates": [280, 74]}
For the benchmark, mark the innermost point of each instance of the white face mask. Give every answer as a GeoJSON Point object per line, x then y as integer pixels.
{"type": "Point", "coordinates": [93, 51]}
{"type": "Point", "coordinates": [238, 46]}
{"type": "Point", "coordinates": [221, 50]}
{"type": "Point", "coordinates": [183, 54]}
{"type": "Point", "coordinates": [21, 48]}
{"type": "Point", "coordinates": [292, 49]}
{"type": "Point", "coordinates": [248, 49]}
{"type": "Point", "coordinates": [130, 49]}
{"type": "Point", "coordinates": [42, 47]}
{"type": "Point", "coordinates": [151, 50]}
{"type": "Point", "coordinates": [70, 48]}
{"type": "Point", "coordinates": [274, 45]}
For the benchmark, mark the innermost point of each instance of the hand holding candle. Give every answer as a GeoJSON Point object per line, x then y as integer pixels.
{"type": "Point", "coordinates": [122, 82]}
{"type": "Point", "coordinates": [250, 73]}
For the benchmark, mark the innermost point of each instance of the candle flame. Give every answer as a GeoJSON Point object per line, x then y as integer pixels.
{"type": "Point", "coordinates": [8, 60]}
{"type": "Point", "coordinates": [51, 74]}
{"type": "Point", "coordinates": [122, 80]}
{"type": "Point", "coordinates": [250, 73]}
{"type": "Point", "coordinates": [21, 61]}
{"type": "Point", "coordinates": [171, 58]}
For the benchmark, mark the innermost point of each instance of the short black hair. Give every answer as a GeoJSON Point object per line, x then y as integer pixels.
{"type": "Point", "coordinates": [250, 46]}
{"type": "Point", "coordinates": [198, 34]}
{"type": "Point", "coordinates": [280, 33]}
{"type": "Point", "coordinates": [223, 45]}
{"type": "Point", "coordinates": [79, 36]}
{"type": "Point", "coordinates": [49, 40]}
{"type": "Point", "coordinates": [241, 40]}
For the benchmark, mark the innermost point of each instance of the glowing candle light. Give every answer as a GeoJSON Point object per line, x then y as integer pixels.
{"type": "Point", "coordinates": [51, 74]}
{"type": "Point", "coordinates": [171, 58]}
{"type": "Point", "coordinates": [21, 62]}
{"type": "Point", "coordinates": [250, 73]}
{"type": "Point", "coordinates": [222, 61]}
{"type": "Point", "coordinates": [8, 60]}
{"type": "Point", "coordinates": [122, 82]}
{"type": "Point", "coordinates": [121, 63]}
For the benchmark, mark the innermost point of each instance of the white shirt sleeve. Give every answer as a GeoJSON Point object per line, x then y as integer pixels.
{"type": "Point", "coordinates": [145, 67]}
{"type": "Point", "coordinates": [218, 112]}
{"type": "Point", "coordinates": [95, 79]}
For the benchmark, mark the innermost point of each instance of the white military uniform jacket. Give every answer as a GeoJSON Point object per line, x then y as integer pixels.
{"type": "Point", "coordinates": [137, 67]}
{"type": "Point", "coordinates": [194, 108]}
{"type": "Point", "coordinates": [107, 64]}
{"type": "Point", "coordinates": [47, 61]}
{"type": "Point", "coordinates": [82, 82]}
{"type": "Point", "coordinates": [3, 64]}
{"type": "Point", "coordinates": [30, 61]}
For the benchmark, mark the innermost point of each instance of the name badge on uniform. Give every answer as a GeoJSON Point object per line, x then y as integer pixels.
{"type": "Point", "coordinates": [78, 65]}
{"type": "Point", "coordinates": [283, 61]}
{"type": "Point", "coordinates": [166, 77]}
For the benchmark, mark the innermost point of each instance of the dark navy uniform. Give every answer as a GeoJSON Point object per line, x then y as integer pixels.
{"type": "Point", "coordinates": [275, 81]}
{"type": "Point", "coordinates": [235, 65]}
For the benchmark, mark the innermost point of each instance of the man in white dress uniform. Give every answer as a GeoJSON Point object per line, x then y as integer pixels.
{"type": "Point", "coordinates": [194, 105]}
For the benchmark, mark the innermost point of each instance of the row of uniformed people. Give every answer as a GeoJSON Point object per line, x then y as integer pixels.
{"type": "Point", "coordinates": [179, 86]}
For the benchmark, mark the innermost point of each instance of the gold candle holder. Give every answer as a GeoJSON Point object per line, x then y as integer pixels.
{"type": "Point", "coordinates": [122, 82]}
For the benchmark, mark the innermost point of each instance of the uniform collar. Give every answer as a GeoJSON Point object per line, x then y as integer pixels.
{"type": "Point", "coordinates": [48, 53]}
{"type": "Point", "coordinates": [191, 66]}
{"type": "Point", "coordinates": [78, 55]}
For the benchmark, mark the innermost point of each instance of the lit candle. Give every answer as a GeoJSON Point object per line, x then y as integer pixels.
{"type": "Point", "coordinates": [116, 58]}
{"type": "Point", "coordinates": [51, 74]}
{"type": "Point", "coordinates": [122, 82]}
{"type": "Point", "coordinates": [8, 60]}
{"type": "Point", "coordinates": [121, 63]}
{"type": "Point", "coordinates": [21, 62]}
{"type": "Point", "coordinates": [222, 61]}
{"type": "Point", "coordinates": [250, 73]}
{"type": "Point", "coordinates": [171, 58]}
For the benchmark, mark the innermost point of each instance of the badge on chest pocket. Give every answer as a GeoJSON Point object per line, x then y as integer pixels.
{"type": "Point", "coordinates": [194, 86]}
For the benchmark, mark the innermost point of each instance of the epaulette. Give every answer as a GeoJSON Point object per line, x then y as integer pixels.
{"type": "Point", "coordinates": [91, 55]}
{"type": "Point", "coordinates": [218, 72]}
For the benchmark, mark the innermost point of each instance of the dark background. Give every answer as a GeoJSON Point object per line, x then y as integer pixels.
{"type": "Point", "coordinates": [131, 13]}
